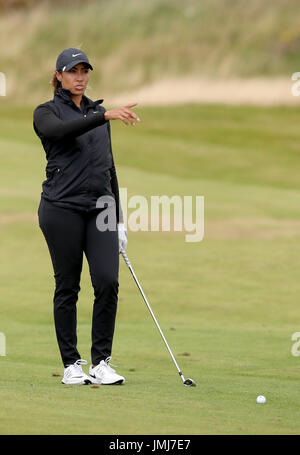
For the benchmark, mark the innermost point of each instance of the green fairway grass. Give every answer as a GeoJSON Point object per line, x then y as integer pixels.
{"type": "Point", "coordinates": [228, 305]}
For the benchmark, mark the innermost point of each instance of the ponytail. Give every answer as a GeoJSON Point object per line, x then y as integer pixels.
{"type": "Point", "coordinates": [56, 84]}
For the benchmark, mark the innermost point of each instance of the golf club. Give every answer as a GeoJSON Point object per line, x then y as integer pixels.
{"type": "Point", "coordinates": [187, 382]}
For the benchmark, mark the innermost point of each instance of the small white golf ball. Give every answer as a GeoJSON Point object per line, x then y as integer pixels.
{"type": "Point", "coordinates": [261, 399]}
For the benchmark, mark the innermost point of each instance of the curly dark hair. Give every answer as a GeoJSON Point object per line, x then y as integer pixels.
{"type": "Point", "coordinates": [56, 84]}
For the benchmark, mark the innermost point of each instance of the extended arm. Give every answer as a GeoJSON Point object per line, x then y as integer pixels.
{"type": "Point", "coordinates": [47, 124]}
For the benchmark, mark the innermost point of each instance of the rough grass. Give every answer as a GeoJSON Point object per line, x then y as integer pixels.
{"type": "Point", "coordinates": [161, 38]}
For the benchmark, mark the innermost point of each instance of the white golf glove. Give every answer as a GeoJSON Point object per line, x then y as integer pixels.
{"type": "Point", "coordinates": [122, 237]}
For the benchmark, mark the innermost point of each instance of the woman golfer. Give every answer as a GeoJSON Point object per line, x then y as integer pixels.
{"type": "Point", "coordinates": [81, 187]}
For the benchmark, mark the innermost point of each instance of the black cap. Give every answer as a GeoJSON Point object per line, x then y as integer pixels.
{"type": "Point", "coordinates": [68, 58]}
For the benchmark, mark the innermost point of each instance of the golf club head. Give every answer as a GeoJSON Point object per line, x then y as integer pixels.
{"type": "Point", "coordinates": [189, 383]}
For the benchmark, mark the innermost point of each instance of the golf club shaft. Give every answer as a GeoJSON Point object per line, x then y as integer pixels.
{"type": "Point", "coordinates": [151, 312]}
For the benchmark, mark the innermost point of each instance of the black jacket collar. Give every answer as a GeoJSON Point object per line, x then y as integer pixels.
{"type": "Point", "coordinates": [66, 96]}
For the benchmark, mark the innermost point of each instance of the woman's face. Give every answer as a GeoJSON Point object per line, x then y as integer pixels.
{"type": "Point", "coordinates": [75, 80]}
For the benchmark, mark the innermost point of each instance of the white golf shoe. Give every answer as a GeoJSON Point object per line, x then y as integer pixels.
{"type": "Point", "coordinates": [74, 375]}
{"type": "Point", "coordinates": [104, 374]}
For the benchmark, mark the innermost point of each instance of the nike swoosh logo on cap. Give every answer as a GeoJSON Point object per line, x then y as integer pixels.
{"type": "Point", "coordinates": [75, 55]}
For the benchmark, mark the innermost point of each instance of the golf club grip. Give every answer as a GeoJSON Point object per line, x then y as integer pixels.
{"type": "Point", "coordinates": [125, 257]}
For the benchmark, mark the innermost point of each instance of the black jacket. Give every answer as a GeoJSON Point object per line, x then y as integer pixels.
{"type": "Point", "coordinates": [80, 166]}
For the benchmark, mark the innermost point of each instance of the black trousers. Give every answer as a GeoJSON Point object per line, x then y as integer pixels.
{"type": "Point", "coordinates": [69, 233]}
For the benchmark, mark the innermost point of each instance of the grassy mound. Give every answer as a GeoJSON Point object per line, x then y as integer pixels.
{"type": "Point", "coordinates": [144, 41]}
